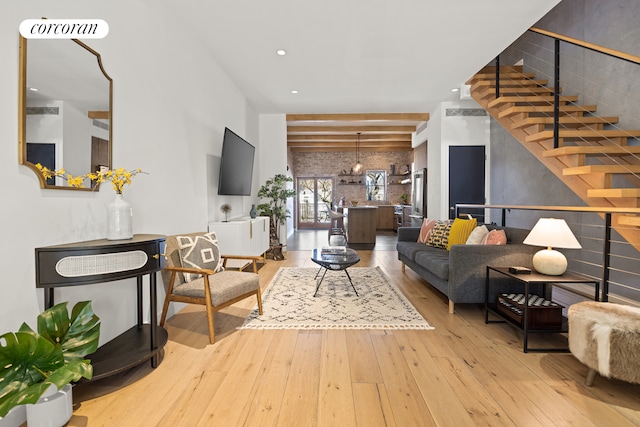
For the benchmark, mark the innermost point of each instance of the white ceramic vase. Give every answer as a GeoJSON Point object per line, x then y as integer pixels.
{"type": "Point", "coordinates": [119, 219]}
{"type": "Point", "coordinates": [53, 409]}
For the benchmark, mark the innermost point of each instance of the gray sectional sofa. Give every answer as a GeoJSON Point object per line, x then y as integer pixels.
{"type": "Point", "coordinates": [460, 273]}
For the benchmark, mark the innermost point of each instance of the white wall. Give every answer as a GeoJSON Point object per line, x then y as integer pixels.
{"type": "Point", "coordinates": [434, 150]}
{"type": "Point", "coordinates": [442, 132]}
{"type": "Point", "coordinates": [273, 134]}
{"type": "Point", "coordinates": [171, 105]}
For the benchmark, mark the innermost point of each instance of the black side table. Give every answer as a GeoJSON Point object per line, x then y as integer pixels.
{"type": "Point", "coordinates": [527, 280]}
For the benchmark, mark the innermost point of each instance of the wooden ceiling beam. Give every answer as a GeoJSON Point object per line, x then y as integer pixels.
{"type": "Point", "coordinates": [349, 144]}
{"type": "Point", "coordinates": [339, 132]}
{"type": "Point", "coordinates": [324, 149]}
{"type": "Point", "coordinates": [364, 129]}
{"type": "Point", "coordinates": [98, 115]}
{"type": "Point", "coordinates": [420, 117]}
{"type": "Point", "coordinates": [351, 138]}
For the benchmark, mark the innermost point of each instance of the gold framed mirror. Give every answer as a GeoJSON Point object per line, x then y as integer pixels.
{"type": "Point", "coordinates": [65, 110]}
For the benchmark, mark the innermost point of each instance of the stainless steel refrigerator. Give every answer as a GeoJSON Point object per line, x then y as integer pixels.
{"type": "Point", "coordinates": [418, 197]}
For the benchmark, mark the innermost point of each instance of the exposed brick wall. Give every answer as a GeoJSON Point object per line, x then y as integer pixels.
{"type": "Point", "coordinates": [334, 164]}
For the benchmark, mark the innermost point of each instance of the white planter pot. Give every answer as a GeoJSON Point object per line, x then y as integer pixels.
{"type": "Point", "coordinates": [53, 409]}
{"type": "Point", "coordinates": [15, 417]}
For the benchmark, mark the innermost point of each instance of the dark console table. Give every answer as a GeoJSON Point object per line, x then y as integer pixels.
{"type": "Point", "coordinates": [100, 261]}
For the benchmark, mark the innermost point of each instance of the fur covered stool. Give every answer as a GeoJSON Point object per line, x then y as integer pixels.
{"type": "Point", "coordinates": [606, 338]}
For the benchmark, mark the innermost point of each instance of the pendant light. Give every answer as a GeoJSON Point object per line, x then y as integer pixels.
{"type": "Point", "coordinates": [358, 165]}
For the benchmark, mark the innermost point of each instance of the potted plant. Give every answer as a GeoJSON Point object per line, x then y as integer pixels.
{"type": "Point", "coordinates": [275, 189]}
{"type": "Point", "coordinates": [31, 362]}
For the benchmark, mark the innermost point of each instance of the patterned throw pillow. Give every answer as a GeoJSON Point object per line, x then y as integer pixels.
{"type": "Point", "coordinates": [495, 237]}
{"type": "Point", "coordinates": [460, 231]}
{"type": "Point", "coordinates": [199, 252]}
{"type": "Point", "coordinates": [425, 230]}
{"type": "Point", "coordinates": [440, 235]}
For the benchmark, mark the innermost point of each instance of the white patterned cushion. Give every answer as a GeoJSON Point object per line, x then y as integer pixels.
{"type": "Point", "coordinates": [199, 252]}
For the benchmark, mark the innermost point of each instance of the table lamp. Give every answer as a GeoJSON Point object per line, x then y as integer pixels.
{"type": "Point", "coordinates": [551, 232]}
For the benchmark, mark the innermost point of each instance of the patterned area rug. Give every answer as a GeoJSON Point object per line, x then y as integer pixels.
{"type": "Point", "coordinates": [288, 302]}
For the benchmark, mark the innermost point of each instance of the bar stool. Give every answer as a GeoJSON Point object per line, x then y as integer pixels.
{"type": "Point", "coordinates": [337, 235]}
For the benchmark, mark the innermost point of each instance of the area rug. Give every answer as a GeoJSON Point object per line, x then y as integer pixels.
{"type": "Point", "coordinates": [288, 302]}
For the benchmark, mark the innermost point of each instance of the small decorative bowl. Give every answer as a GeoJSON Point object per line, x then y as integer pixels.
{"type": "Point", "coordinates": [354, 203]}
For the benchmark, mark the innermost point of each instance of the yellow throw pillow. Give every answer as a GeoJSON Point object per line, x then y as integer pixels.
{"type": "Point", "coordinates": [460, 231]}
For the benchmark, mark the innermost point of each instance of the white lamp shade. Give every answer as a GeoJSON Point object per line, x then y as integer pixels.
{"type": "Point", "coordinates": [552, 233]}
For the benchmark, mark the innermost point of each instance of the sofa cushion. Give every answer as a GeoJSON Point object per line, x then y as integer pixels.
{"type": "Point", "coordinates": [435, 260]}
{"type": "Point", "coordinates": [460, 231]}
{"type": "Point", "coordinates": [224, 286]}
{"type": "Point", "coordinates": [409, 249]}
{"type": "Point", "coordinates": [440, 235]}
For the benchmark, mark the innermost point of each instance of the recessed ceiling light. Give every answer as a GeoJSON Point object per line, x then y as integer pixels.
{"type": "Point", "coordinates": [294, 91]}
{"type": "Point", "coordinates": [33, 89]}
{"type": "Point", "coordinates": [455, 89]}
{"type": "Point", "coordinates": [281, 52]}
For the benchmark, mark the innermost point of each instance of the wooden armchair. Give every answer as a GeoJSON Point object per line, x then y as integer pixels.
{"type": "Point", "coordinates": [186, 282]}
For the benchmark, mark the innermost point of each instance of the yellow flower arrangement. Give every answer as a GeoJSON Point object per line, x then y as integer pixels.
{"type": "Point", "coordinates": [74, 181]}
{"type": "Point", "coordinates": [118, 177]}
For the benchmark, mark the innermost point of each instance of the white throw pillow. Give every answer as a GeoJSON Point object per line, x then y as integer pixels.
{"type": "Point", "coordinates": [476, 236]}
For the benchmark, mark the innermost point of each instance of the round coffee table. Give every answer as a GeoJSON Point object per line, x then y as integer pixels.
{"type": "Point", "coordinates": [334, 258]}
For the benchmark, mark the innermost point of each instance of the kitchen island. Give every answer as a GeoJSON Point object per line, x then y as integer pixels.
{"type": "Point", "coordinates": [360, 224]}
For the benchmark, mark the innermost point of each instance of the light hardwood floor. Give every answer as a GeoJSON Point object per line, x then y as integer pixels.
{"type": "Point", "coordinates": [463, 373]}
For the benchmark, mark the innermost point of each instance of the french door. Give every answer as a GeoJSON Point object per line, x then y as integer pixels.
{"type": "Point", "coordinates": [314, 194]}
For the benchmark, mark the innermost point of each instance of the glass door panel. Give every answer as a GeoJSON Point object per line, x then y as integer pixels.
{"type": "Point", "coordinates": [313, 196]}
{"type": "Point", "coordinates": [306, 196]}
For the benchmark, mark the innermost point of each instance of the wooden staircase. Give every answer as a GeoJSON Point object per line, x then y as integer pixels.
{"type": "Point", "coordinates": [592, 159]}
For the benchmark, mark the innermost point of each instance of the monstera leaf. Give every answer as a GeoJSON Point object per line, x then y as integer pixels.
{"type": "Point", "coordinates": [31, 361]}
{"type": "Point", "coordinates": [77, 336]}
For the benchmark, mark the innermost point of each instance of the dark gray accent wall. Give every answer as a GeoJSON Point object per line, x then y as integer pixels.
{"type": "Point", "coordinates": [518, 178]}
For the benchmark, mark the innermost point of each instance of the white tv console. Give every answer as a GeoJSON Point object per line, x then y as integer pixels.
{"type": "Point", "coordinates": [242, 236]}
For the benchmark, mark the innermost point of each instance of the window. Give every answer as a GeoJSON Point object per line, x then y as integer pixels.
{"type": "Point", "coordinates": [376, 185]}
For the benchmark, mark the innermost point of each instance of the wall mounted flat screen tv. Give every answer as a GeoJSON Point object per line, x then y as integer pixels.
{"type": "Point", "coordinates": [236, 165]}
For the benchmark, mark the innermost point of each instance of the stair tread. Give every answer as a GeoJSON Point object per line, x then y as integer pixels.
{"type": "Point", "coordinates": [506, 68]}
{"type": "Point", "coordinates": [544, 99]}
{"type": "Point", "coordinates": [614, 192]}
{"type": "Point", "coordinates": [584, 134]}
{"type": "Point", "coordinates": [503, 75]}
{"type": "Point", "coordinates": [547, 109]}
{"type": "Point", "coordinates": [529, 90]}
{"type": "Point", "coordinates": [580, 170]}
{"type": "Point", "coordinates": [509, 83]}
{"type": "Point", "coordinates": [565, 120]}
{"type": "Point", "coordinates": [593, 149]}
{"type": "Point", "coordinates": [633, 220]}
